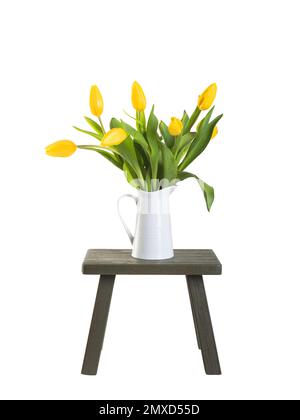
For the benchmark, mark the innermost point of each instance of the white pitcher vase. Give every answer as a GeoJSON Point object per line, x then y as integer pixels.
{"type": "Point", "coordinates": [153, 235]}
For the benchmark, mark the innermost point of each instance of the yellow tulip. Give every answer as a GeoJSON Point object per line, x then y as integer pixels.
{"type": "Point", "coordinates": [138, 97]}
{"type": "Point", "coordinates": [175, 127]}
{"type": "Point", "coordinates": [62, 148]}
{"type": "Point", "coordinates": [114, 137]}
{"type": "Point", "coordinates": [205, 100]}
{"type": "Point", "coordinates": [215, 132]}
{"type": "Point", "coordinates": [96, 101]}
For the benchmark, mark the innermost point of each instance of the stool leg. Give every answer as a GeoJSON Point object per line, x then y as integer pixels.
{"type": "Point", "coordinates": [98, 325]}
{"type": "Point", "coordinates": [194, 316]}
{"type": "Point", "coordinates": [203, 325]}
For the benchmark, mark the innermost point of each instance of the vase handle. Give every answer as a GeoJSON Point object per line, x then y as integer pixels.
{"type": "Point", "coordinates": [130, 235]}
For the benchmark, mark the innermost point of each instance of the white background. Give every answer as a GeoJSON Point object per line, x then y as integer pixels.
{"type": "Point", "coordinates": [52, 210]}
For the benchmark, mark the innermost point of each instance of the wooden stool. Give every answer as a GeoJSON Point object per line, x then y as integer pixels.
{"type": "Point", "coordinates": [193, 263]}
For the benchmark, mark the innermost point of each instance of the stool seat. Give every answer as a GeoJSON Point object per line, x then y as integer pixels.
{"type": "Point", "coordinates": [192, 263]}
{"type": "Point", "coordinates": [120, 261]}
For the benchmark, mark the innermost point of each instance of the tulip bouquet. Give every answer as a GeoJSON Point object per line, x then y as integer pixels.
{"type": "Point", "coordinates": [152, 155]}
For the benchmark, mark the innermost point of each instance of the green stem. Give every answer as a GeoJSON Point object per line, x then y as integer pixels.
{"type": "Point", "coordinates": [148, 181]}
{"type": "Point", "coordinates": [141, 122]}
{"type": "Point", "coordinates": [176, 144]}
{"type": "Point", "coordinates": [192, 120]}
{"type": "Point", "coordinates": [128, 115]}
{"type": "Point", "coordinates": [101, 125]}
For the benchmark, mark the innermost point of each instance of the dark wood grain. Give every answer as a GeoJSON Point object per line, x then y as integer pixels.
{"type": "Point", "coordinates": [203, 325]}
{"type": "Point", "coordinates": [98, 325]}
{"type": "Point", "coordinates": [194, 315]}
{"type": "Point", "coordinates": [120, 261]}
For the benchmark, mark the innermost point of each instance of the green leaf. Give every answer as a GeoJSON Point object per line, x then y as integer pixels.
{"type": "Point", "coordinates": [90, 133]}
{"type": "Point", "coordinates": [131, 176]}
{"type": "Point", "coordinates": [207, 190]}
{"type": "Point", "coordinates": [94, 125]}
{"type": "Point", "coordinates": [136, 135]}
{"type": "Point", "coordinates": [154, 143]}
{"type": "Point", "coordinates": [199, 125]}
{"type": "Point", "coordinates": [185, 143]}
{"type": "Point", "coordinates": [182, 152]}
{"type": "Point", "coordinates": [209, 193]}
{"type": "Point", "coordinates": [169, 140]}
{"type": "Point", "coordinates": [169, 166]}
{"type": "Point", "coordinates": [185, 120]}
{"type": "Point", "coordinates": [201, 140]}
{"type": "Point", "coordinates": [214, 122]}
{"type": "Point", "coordinates": [181, 141]}
{"type": "Point", "coordinates": [143, 158]}
{"type": "Point", "coordinates": [114, 123]}
{"type": "Point", "coordinates": [127, 151]}
{"type": "Point", "coordinates": [189, 124]}
{"type": "Point", "coordinates": [114, 159]}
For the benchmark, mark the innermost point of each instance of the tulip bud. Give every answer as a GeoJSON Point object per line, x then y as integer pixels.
{"type": "Point", "coordinates": [215, 132]}
{"type": "Point", "coordinates": [205, 100]}
{"type": "Point", "coordinates": [175, 127]}
{"type": "Point", "coordinates": [114, 137]}
{"type": "Point", "coordinates": [96, 101]}
{"type": "Point", "coordinates": [138, 98]}
{"type": "Point", "coordinates": [62, 148]}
